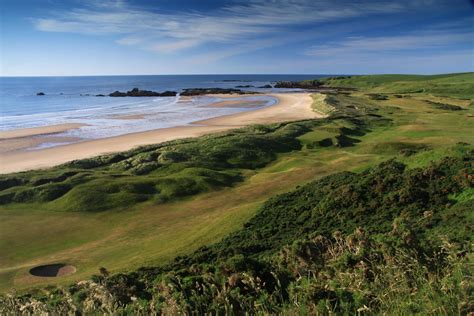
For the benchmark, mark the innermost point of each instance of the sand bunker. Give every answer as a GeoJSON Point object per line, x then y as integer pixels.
{"type": "Point", "coordinates": [53, 270]}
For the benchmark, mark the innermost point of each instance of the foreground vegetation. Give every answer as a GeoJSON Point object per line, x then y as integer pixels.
{"type": "Point", "coordinates": [306, 251]}
{"type": "Point", "coordinates": [392, 236]}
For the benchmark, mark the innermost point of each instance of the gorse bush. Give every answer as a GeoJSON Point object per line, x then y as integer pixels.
{"type": "Point", "coordinates": [384, 240]}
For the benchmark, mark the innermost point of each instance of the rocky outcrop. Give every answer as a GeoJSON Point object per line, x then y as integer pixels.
{"type": "Point", "coordinates": [267, 86]}
{"type": "Point", "coordinates": [118, 94]}
{"type": "Point", "coordinates": [203, 91]}
{"type": "Point", "coordinates": [135, 92]}
{"type": "Point", "coordinates": [40, 93]}
{"type": "Point", "coordinates": [168, 94]}
{"type": "Point", "coordinates": [245, 86]}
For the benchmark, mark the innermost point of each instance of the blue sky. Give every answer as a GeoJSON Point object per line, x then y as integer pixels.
{"type": "Point", "coordinates": [94, 37]}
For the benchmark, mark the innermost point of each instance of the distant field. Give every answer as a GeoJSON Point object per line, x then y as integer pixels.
{"type": "Point", "coordinates": [451, 85]}
{"type": "Point", "coordinates": [96, 224]}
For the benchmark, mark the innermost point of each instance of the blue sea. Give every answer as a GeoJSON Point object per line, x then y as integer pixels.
{"type": "Point", "coordinates": [74, 100]}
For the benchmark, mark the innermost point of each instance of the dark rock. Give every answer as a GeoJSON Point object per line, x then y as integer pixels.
{"type": "Point", "coordinates": [135, 92]}
{"type": "Point", "coordinates": [267, 86]}
{"type": "Point", "coordinates": [100, 95]}
{"type": "Point", "coordinates": [168, 94]}
{"type": "Point", "coordinates": [118, 94]}
{"type": "Point", "coordinates": [246, 86]}
{"type": "Point", "coordinates": [40, 93]}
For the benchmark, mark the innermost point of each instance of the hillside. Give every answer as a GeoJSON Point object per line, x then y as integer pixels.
{"type": "Point", "coordinates": [454, 85]}
{"type": "Point", "coordinates": [366, 211]}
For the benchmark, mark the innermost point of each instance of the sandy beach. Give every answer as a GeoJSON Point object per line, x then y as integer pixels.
{"type": "Point", "coordinates": [291, 106]}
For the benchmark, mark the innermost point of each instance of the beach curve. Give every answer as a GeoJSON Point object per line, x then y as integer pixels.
{"type": "Point", "coordinates": [290, 107]}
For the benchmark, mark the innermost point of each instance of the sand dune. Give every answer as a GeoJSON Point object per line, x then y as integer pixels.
{"type": "Point", "coordinates": [291, 106]}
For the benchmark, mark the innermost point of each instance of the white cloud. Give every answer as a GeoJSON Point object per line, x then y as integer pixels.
{"type": "Point", "coordinates": [377, 45]}
{"type": "Point", "coordinates": [236, 24]}
{"type": "Point", "coordinates": [170, 47]}
{"type": "Point", "coordinates": [241, 27]}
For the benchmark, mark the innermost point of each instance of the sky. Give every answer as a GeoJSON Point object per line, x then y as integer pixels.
{"type": "Point", "coordinates": [132, 37]}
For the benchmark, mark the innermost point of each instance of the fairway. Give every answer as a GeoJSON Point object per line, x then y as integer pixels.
{"type": "Point", "coordinates": [149, 234]}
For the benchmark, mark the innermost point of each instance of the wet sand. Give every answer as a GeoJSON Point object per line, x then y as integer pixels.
{"type": "Point", "coordinates": [291, 106]}
{"type": "Point", "coordinates": [43, 130]}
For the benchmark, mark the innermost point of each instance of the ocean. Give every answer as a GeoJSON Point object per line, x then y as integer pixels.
{"type": "Point", "coordinates": [74, 100]}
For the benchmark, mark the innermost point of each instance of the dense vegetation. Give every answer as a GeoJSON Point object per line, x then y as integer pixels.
{"type": "Point", "coordinates": [170, 170]}
{"type": "Point", "coordinates": [347, 243]}
{"type": "Point", "coordinates": [394, 236]}
{"type": "Point", "coordinates": [157, 173]}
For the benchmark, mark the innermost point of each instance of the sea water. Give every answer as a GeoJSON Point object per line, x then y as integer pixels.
{"type": "Point", "coordinates": [74, 100]}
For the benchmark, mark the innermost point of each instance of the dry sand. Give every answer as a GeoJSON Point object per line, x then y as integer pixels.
{"type": "Point", "coordinates": [291, 106]}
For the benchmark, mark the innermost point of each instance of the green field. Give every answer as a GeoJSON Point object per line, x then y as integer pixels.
{"type": "Point", "coordinates": [448, 85]}
{"type": "Point", "coordinates": [145, 207]}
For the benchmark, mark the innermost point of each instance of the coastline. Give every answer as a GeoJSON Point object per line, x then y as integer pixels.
{"type": "Point", "coordinates": [290, 107]}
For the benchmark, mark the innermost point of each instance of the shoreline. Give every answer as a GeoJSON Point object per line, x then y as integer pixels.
{"type": "Point", "coordinates": [290, 107]}
{"type": "Point", "coordinates": [39, 131]}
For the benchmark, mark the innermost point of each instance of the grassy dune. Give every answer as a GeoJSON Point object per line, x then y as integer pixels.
{"type": "Point", "coordinates": [147, 206]}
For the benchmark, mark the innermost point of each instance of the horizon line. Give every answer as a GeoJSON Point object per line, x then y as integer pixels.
{"type": "Point", "coordinates": [234, 74]}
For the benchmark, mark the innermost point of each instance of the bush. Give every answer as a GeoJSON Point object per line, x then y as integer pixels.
{"type": "Point", "coordinates": [346, 244]}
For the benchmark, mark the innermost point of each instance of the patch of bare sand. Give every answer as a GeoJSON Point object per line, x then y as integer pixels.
{"type": "Point", "coordinates": [53, 270]}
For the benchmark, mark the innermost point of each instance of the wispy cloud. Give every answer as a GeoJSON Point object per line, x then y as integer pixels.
{"type": "Point", "coordinates": [380, 44]}
{"type": "Point", "coordinates": [236, 24]}
{"type": "Point", "coordinates": [242, 27]}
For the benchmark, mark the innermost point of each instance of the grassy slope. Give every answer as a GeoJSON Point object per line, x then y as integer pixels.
{"type": "Point", "coordinates": [151, 234]}
{"type": "Point", "coordinates": [453, 85]}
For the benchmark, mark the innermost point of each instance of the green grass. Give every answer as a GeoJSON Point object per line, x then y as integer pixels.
{"type": "Point", "coordinates": [107, 237]}
{"type": "Point", "coordinates": [141, 217]}
{"type": "Point", "coordinates": [452, 85]}
{"type": "Point", "coordinates": [154, 173]}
